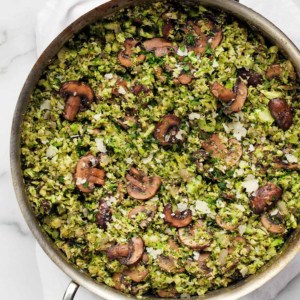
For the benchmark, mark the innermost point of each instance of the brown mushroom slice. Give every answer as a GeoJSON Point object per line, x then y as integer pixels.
{"type": "Point", "coordinates": [168, 264]}
{"type": "Point", "coordinates": [142, 187]}
{"type": "Point", "coordinates": [187, 237]}
{"type": "Point", "coordinates": [281, 112]}
{"type": "Point", "coordinates": [266, 196]}
{"type": "Point", "coordinates": [127, 254]}
{"type": "Point", "coordinates": [125, 56]}
{"type": "Point", "coordinates": [185, 79]}
{"type": "Point", "coordinates": [225, 225]}
{"type": "Point", "coordinates": [286, 166]}
{"type": "Point", "coordinates": [166, 130]}
{"type": "Point", "coordinates": [271, 226]}
{"type": "Point", "coordinates": [118, 280]}
{"type": "Point", "coordinates": [235, 152]}
{"type": "Point", "coordinates": [78, 96]}
{"type": "Point", "coordinates": [252, 78]}
{"type": "Point", "coordinates": [104, 215]}
{"type": "Point", "coordinates": [168, 293]}
{"type": "Point", "coordinates": [173, 245]}
{"type": "Point", "coordinates": [86, 175]}
{"type": "Point", "coordinates": [202, 261]}
{"type": "Point", "coordinates": [273, 71]}
{"type": "Point", "coordinates": [160, 46]}
{"type": "Point", "coordinates": [177, 219]}
{"type": "Point", "coordinates": [221, 92]}
{"type": "Point", "coordinates": [167, 29]}
{"type": "Point", "coordinates": [200, 45]}
{"type": "Point", "coordinates": [149, 210]}
{"type": "Point", "coordinates": [216, 40]}
{"type": "Point", "coordinates": [240, 97]}
{"type": "Point", "coordinates": [217, 148]}
{"type": "Point", "coordinates": [137, 273]}
{"type": "Point", "coordinates": [126, 122]}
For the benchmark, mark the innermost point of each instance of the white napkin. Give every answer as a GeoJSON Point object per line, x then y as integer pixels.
{"type": "Point", "coordinates": [59, 14]}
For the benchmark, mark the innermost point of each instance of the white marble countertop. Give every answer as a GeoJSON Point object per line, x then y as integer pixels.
{"type": "Point", "coordinates": [25, 271]}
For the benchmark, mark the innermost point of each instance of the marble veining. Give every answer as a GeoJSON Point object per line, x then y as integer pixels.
{"type": "Point", "coordinates": [26, 271]}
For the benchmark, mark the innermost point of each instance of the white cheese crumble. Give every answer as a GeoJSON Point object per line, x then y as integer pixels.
{"type": "Point", "coordinates": [244, 271]}
{"type": "Point", "coordinates": [121, 90]}
{"type": "Point", "coordinates": [46, 105]}
{"type": "Point", "coordinates": [251, 148]}
{"type": "Point", "coordinates": [154, 252]}
{"type": "Point", "coordinates": [291, 158]}
{"type": "Point", "coordinates": [111, 200]}
{"type": "Point", "coordinates": [193, 116]}
{"type": "Point", "coordinates": [179, 136]}
{"type": "Point", "coordinates": [240, 207]}
{"type": "Point", "coordinates": [148, 159]}
{"type": "Point", "coordinates": [215, 64]}
{"type": "Point", "coordinates": [100, 145]}
{"type": "Point", "coordinates": [97, 117]}
{"type": "Point", "coordinates": [128, 160]}
{"type": "Point", "coordinates": [109, 76]}
{"type": "Point", "coordinates": [196, 255]}
{"type": "Point", "coordinates": [51, 151]}
{"type": "Point", "coordinates": [202, 207]}
{"type": "Point", "coordinates": [250, 184]}
{"type": "Point", "coordinates": [182, 51]}
{"type": "Point", "coordinates": [242, 229]}
{"type": "Point", "coordinates": [80, 181]}
{"type": "Point", "coordinates": [182, 206]}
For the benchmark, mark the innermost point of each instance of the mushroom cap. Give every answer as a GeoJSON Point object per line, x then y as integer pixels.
{"type": "Point", "coordinates": [87, 174]}
{"type": "Point", "coordinates": [177, 219]}
{"type": "Point", "coordinates": [142, 187]}
{"type": "Point", "coordinates": [221, 92]}
{"type": "Point", "coordinates": [187, 237]}
{"type": "Point", "coordinates": [273, 71]}
{"type": "Point", "coordinates": [104, 215]}
{"type": "Point", "coordinates": [266, 196]}
{"type": "Point", "coordinates": [230, 151]}
{"type": "Point", "coordinates": [168, 264]}
{"type": "Point", "coordinates": [155, 43]}
{"type": "Point", "coordinates": [166, 130]}
{"type": "Point", "coordinates": [79, 89]}
{"type": "Point", "coordinates": [149, 210]}
{"type": "Point", "coordinates": [271, 226]}
{"type": "Point", "coordinates": [137, 273]}
{"type": "Point", "coordinates": [127, 254]}
{"type": "Point", "coordinates": [136, 251]}
{"type": "Point", "coordinates": [281, 112]}
{"type": "Point", "coordinates": [240, 97]}
{"type": "Point", "coordinates": [216, 40]}
{"type": "Point", "coordinates": [252, 78]}
{"type": "Point", "coordinates": [125, 56]}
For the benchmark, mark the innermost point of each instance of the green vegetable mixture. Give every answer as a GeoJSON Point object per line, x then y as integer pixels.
{"type": "Point", "coordinates": [160, 150]}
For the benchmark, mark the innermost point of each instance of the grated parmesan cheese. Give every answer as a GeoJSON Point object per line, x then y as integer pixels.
{"type": "Point", "coordinates": [250, 184]}
{"type": "Point", "coordinates": [100, 145]}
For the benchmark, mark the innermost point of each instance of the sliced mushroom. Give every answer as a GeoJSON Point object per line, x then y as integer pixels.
{"type": "Point", "coordinates": [231, 151]}
{"type": "Point", "coordinates": [126, 56]}
{"type": "Point", "coordinates": [216, 39]}
{"type": "Point", "coordinates": [120, 87]}
{"type": "Point", "coordinates": [137, 273]}
{"type": "Point", "coordinates": [142, 187]}
{"type": "Point", "coordinates": [87, 175]}
{"type": "Point", "coordinates": [200, 45]}
{"type": "Point", "coordinates": [173, 245]}
{"type": "Point", "coordinates": [168, 264]}
{"type": "Point", "coordinates": [160, 46]}
{"type": "Point", "coordinates": [126, 122]}
{"type": "Point", "coordinates": [221, 92]}
{"type": "Point", "coordinates": [177, 219]}
{"type": "Point", "coordinates": [252, 78]}
{"type": "Point", "coordinates": [202, 261]}
{"type": "Point", "coordinates": [225, 225]}
{"type": "Point", "coordinates": [167, 129]}
{"type": "Point", "coordinates": [271, 226]}
{"type": "Point", "coordinates": [273, 71]}
{"type": "Point", "coordinates": [187, 236]}
{"type": "Point", "coordinates": [149, 210]}
{"type": "Point", "coordinates": [185, 78]}
{"type": "Point", "coordinates": [281, 112]}
{"type": "Point", "coordinates": [266, 196]}
{"type": "Point", "coordinates": [127, 254]}
{"type": "Point", "coordinates": [286, 166]}
{"type": "Point", "coordinates": [240, 98]}
{"type": "Point", "coordinates": [104, 215]}
{"type": "Point", "coordinates": [119, 281]}
{"type": "Point", "coordinates": [78, 95]}
{"type": "Point", "coordinates": [168, 293]}
{"type": "Point", "coordinates": [167, 29]}
{"type": "Point", "coordinates": [139, 88]}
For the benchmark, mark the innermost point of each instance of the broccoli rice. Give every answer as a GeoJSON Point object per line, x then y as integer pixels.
{"type": "Point", "coordinates": [160, 150]}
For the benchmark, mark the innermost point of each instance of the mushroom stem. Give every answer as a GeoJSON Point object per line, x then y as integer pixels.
{"type": "Point", "coordinates": [72, 108]}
